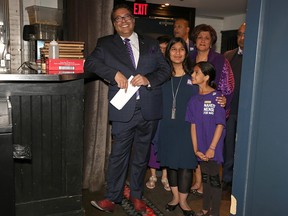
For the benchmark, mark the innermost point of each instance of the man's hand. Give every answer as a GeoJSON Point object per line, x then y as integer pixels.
{"type": "Point", "coordinates": [139, 80]}
{"type": "Point", "coordinates": [121, 80]}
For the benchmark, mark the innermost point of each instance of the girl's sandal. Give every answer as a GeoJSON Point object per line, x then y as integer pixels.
{"type": "Point", "coordinates": [166, 184]}
{"type": "Point", "coordinates": [196, 193]}
{"type": "Point", "coordinates": [194, 187]}
{"type": "Point", "coordinates": [151, 182]}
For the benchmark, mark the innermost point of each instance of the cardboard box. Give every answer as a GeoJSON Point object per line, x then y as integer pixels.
{"type": "Point", "coordinates": [55, 66]}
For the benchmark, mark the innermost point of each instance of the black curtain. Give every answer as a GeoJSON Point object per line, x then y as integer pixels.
{"type": "Point", "coordinates": [87, 20]}
{"type": "Point", "coordinates": [229, 40]}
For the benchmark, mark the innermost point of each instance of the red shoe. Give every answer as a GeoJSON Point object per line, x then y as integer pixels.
{"type": "Point", "coordinates": [139, 205]}
{"type": "Point", "coordinates": [104, 205]}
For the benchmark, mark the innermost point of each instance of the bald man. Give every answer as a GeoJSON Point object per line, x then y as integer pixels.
{"type": "Point", "coordinates": [182, 29]}
{"type": "Point", "coordinates": [235, 58]}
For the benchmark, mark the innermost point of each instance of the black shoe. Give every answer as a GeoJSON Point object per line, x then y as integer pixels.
{"type": "Point", "coordinates": [170, 208]}
{"type": "Point", "coordinates": [188, 213]}
{"type": "Point", "coordinates": [196, 193]}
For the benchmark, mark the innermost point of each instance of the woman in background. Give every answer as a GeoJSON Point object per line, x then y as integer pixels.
{"type": "Point", "coordinates": [153, 163]}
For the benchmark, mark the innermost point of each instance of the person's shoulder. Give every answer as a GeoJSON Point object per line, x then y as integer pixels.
{"type": "Point", "coordinates": [106, 37]}
{"type": "Point", "coordinates": [189, 88]}
{"type": "Point", "coordinates": [214, 56]}
{"type": "Point", "coordinates": [230, 52]}
{"type": "Point", "coordinates": [188, 80]}
{"type": "Point", "coordinates": [106, 41]}
{"type": "Point", "coordinates": [215, 53]}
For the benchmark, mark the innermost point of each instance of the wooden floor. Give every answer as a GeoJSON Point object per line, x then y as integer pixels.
{"type": "Point", "coordinates": [158, 196]}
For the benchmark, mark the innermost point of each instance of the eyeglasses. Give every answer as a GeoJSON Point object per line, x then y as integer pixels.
{"type": "Point", "coordinates": [126, 17]}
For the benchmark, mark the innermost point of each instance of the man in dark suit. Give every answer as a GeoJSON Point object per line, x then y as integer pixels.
{"type": "Point", "coordinates": [182, 29]}
{"type": "Point", "coordinates": [134, 125]}
{"type": "Point", "coordinates": [235, 58]}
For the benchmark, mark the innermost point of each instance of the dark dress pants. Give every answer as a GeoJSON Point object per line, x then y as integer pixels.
{"type": "Point", "coordinates": [229, 148]}
{"type": "Point", "coordinates": [135, 136]}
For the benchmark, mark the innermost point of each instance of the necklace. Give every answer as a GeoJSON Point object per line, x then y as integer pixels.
{"type": "Point", "coordinates": [174, 96]}
{"type": "Point", "coordinates": [201, 58]}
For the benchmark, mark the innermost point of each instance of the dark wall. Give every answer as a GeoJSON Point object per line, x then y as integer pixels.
{"type": "Point", "coordinates": [228, 40]}
{"type": "Point", "coordinates": [159, 20]}
{"type": "Point", "coordinates": [79, 20]}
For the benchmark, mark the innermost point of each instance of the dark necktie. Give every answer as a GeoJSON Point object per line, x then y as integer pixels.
{"type": "Point", "coordinates": [129, 49]}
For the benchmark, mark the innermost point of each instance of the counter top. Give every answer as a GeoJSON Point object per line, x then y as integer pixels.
{"type": "Point", "coordinates": [40, 77]}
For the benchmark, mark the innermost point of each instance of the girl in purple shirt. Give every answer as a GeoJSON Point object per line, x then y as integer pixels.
{"type": "Point", "coordinates": [208, 121]}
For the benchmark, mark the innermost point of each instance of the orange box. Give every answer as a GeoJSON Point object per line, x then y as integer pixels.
{"type": "Point", "coordinates": [74, 65]}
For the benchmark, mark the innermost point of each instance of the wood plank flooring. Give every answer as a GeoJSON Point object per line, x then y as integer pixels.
{"type": "Point", "coordinates": [158, 196]}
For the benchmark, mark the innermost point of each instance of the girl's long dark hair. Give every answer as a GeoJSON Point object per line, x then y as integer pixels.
{"type": "Point", "coordinates": [208, 69]}
{"type": "Point", "coordinates": [187, 64]}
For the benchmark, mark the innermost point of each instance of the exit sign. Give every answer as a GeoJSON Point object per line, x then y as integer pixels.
{"type": "Point", "coordinates": [140, 9]}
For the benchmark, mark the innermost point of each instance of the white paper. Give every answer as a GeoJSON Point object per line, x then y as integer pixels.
{"type": "Point", "coordinates": [122, 97]}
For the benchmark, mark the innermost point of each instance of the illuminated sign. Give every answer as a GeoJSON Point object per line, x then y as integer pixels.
{"type": "Point", "coordinates": [140, 9]}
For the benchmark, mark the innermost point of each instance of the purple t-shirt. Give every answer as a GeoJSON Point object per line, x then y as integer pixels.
{"type": "Point", "coordinates": [206, 113]}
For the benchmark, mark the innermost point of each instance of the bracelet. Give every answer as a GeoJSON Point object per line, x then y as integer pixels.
{"type": "Point", "coordinates": [212, 148]}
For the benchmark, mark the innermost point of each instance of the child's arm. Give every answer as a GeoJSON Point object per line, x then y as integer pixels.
{"type": "Point", "coordinates": [217, 134]}
{"type": "Point", "coordinates": [195, 144]}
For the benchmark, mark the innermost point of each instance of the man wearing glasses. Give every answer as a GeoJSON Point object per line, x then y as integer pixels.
{"type": "Point", "coordinates": [116, 58]}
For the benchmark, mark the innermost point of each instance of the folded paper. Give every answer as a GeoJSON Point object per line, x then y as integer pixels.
{"type": "Point", "coordinates": [122, 97]}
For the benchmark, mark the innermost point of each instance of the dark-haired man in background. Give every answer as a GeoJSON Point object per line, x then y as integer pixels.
{"type": "Point", "coordinates": [182, 29]}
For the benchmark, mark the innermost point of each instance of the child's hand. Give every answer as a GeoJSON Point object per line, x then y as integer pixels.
{"type": "Point", "coordinates": [210, 153]}
{"type": "Point", "coordinates": [201, 156]}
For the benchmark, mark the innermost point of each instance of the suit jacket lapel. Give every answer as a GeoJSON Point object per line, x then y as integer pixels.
{"type": "Point", "coordinates": [122, 51]}
{"type": "Point", "coordinates": [142, 48]}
